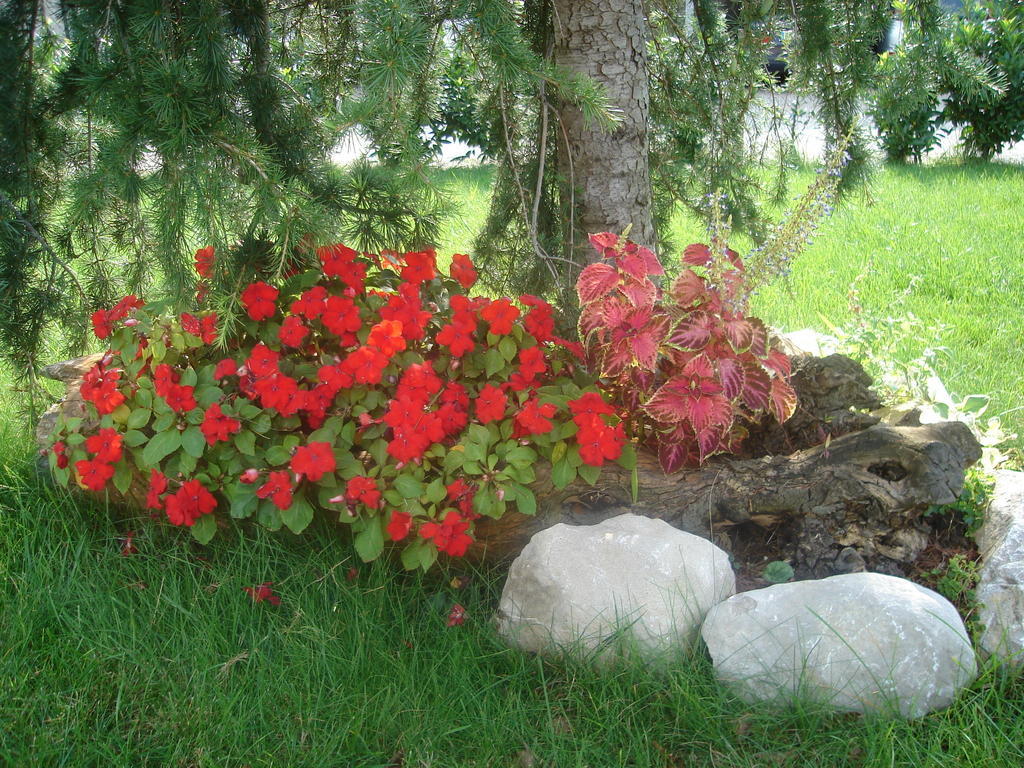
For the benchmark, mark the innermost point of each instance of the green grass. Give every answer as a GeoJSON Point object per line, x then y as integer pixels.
{"type": "Point", "coordinates": [162, 659]}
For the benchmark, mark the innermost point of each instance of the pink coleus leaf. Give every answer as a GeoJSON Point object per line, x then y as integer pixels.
{"type": "Point", "coordinates": [694, 332]}
{"type": "Point", "coordinates": [756, 386]}
{"type": "Point", "coordinates": [732, 376]}
{"type": "Point", "coordinates": [688, 289]}
{"type": "Point", "coordinates": [758, 338]}
{"type": "Point", "coordinates": [711, 439]}
{"type": "Point", "coordinates": [639, 293]}
{"type": "Point", "coordinates": [738, 331]}
{"type": "Point", "coordinates": [710, 413]}
{"type": "Point", "coordinates": [605, 243]}
{"type": "Point", "coordinates": [690, 397]}
{"type": "Point", "coordinates": [779, 362]}
{"type": "Point", "coordinates": [639, 262]}
{"type": "Point", "coordinates": [697, 255]}
{"type": "Point", "coordinates": [674, 455]}
{"type": "Point", "coordinates": [783, 400]}
{"type": "Point", "coordinates": [595, 282]}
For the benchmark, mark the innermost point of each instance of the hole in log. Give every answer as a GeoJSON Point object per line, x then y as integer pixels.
{"type": "Point", "coordinates": [888, 470]}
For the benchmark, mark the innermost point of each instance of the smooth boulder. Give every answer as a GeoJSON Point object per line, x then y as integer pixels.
{"type": "Point", "coordinates": [1000, 591]}
{"type": "Point", "coordinates": [860, 642]}
{"type": "Point", "coordinates": [576, 588]}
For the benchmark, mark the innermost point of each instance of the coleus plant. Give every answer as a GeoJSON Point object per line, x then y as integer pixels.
{"type": "Point", "coordinates": [371, 388]}
{"type": "Point", "coordinates": [686, 366]}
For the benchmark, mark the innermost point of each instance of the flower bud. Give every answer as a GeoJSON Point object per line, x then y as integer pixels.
{"type": "Point", "coordinates": [250, 476]}
{"type": "Point", "coordinates": [336, 499]}
{"type": "Point", "coordinates": [500, 493]}
{"type": "Point", "coordinates": [131, 321]}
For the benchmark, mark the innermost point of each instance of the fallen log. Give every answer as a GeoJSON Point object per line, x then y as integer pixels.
{"type": "Point", "coordinates": [831, 491]}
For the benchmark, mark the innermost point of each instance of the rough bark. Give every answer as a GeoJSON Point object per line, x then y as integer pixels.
{"type": "Point", "coordinates": [609, 170]}
{"type": "Point", "coordinates": [850, 504]}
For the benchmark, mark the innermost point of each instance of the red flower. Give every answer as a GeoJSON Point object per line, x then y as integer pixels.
{"type": "Point", "coordinates": [263, 592]}
{"type": "Point", "coordinates": [226, 367]}
{"type": "Point", "coordinates": [341, 317]}
{"type": "Point", "coordinates": [180, 398]}
{"type": "Point", "coordinates": [278, 489]}
{"type": "Point", "coordinates": [191, 502]}
{"type": "Point", "coordinates": [157, 487]}
{"type": "Point", "coordinates": [532, 362]}
{"type": "Point", "coordinates": [588, 409]}
{"type": "Point", "coordinates": [205, 328]}
{"type": "Point", "coordinates": [292, 331]}
{"type": "Point", "coordinates": [399, 525]}
{"type": "Point", "coordinates": [204, 261]}
{"type": "Point", "coordinates": [598, 443]}
{"type": "Point", "coordinates": [419, 383]}
{"type": "Point", "coordinates": [458, 337]}
{"type": "Point", "coordinates": [250, 476]}
{"type": "Point", "coordinates": [501, 315]}
{"type": "Point", "coordinates": [101, 323]}
{"type": "Point", "coordinates": [461, 494]}
{"type": "Point", "coordinates": [259, 300]}
{"type": "Point", "coordinates": [539, 321]}
{"type": "Point", "coordinates": [534, 418]}
{"type": "Point", "coordinates": [313, 460]}
{"type": "Point", "coordinates": [363, 489]}
{"type": "Point", "coordinates": [217, 426]}
{"type": "Point", "coordinates": [366, 365]}
{"type": "Point", "coordinates": [419, 266]}
{"type": "Point", "coordinates": [262, 361]}
{"type": "Point", "coordinates": [463, 271]}
{"type": "Point", "coordinates": [94, 473]}
{"type": "Point", "coordinates": [340, 261]}
{"type": "Point", "coordinates": [387, 337]}
{"type": "Point", "coordinates": [127, 547]}
{"type": "Point", "coordinates": [99, 387]}
{"type": "Point", "coordinates": [490, 404]}
{"type": "Point", "coordinates": [456, 616]}
{"type": "Point", "coordinates": [278, 391]}
{"type": "Point", "coordinates": [106, 445]}
{"type": "Point", "coordinates": [311, 304]}
{"type": "Point", "coordinates": [407, 308]}
{"type": "Point", "coordinates": [449, 535]}
{"type": "Point", "coordinates": [59, 449]}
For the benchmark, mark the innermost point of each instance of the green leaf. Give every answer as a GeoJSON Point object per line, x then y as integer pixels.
{"type": "Point", "coordinates": [521, 455]}
{"type": "Point", "coordinates": [133, 438]}
{"type": "Point", "coordinates": [144, 397]}
{"type": "Point", "coordinates": [277, 455]}
{"type": "Point", "coordinates": [975, 404]}
{"type": "Point", "coordinates": [526, 502]}
{"type": "Point", "coordinates": [436, 491]}
{"type": "Point", "coordinates": [193, 442]}
{"type": "Point", "coordinates": [493, 362]}
{"type": "Point", "coordinates": [160, 445]}
{"type": "Point", "coordinates": [562, 473]}
{"type": "Point", "coordinates": [268, 515]}
{"type": "Point", "coordinates": [164, 421]}
{"type": "Point", "coordinates": [408, 486]}
{"type": "Point", "coordinates": [558, 452]}
{"type": "Point", "coordinates": [628, 458]}
{"type": "Point", "coordinates": [369, 542]}
{"type": "Point", "coordinates": [454, 459]}
{"type": "Point", "coordinates": [419, 554]}
{"type": "Point", "coordinates": [204, 528]}
{"type": "Point", "coordinates": [298, 515]}
{"type": "Point", "coordinates": [208, 395]}
{"type": "Point", "coordinates": [123, 476]}
{"type": "Point", "coordinates": [138, 418]}
{"type": "Point", "coordinates": [508, 348]}
{"type": "Point", "coordinates": [589, 473]}
{"type": "Point", "coordinates": [245, 442]}
{"type": "Point", "coordinates": [243, 499]}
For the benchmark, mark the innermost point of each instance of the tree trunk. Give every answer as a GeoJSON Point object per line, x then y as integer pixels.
{"type": "Point", "coordinates": [608, 170]}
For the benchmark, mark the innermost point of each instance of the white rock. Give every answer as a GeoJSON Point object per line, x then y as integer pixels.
{"type": "Point", "coordinates": [1000, 589]}
{"type": "Point", "coordinates": [575, 587]}
{"type": "Point", "coordinates": [858, 642]}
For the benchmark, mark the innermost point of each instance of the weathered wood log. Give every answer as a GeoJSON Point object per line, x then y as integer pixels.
{"type": "Point", "coordinates": [851, 503]}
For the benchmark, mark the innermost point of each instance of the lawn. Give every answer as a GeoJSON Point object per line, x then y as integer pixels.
{"type": "Point", "coordinates": [161, 658]}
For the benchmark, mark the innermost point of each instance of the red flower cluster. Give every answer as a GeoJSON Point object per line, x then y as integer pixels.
{"type": "Point", "coordinates": [59, 449]}
{"type": "Point", "coordinates": [463, 271]}
{"type": "Point", "coordinates": [99, 387]}
{"type": "Point", "coordinates": [458, 334]}
{"type": "Point", "coordinates": [313, 461]}
{"type": "Point", "coordinates": [340, 261]}
{"type": "Point", "coordinates": [103, 319]}
{"type": "Point", "coordinates": [259, 301]}
{"type": "Point", "coordinates": [364, 490]}
{"type": "Point", "coordinates": [597, 440]}
{"type": "Point", "coordinates": [278, 489]}
{"type": "Point", "coordinates": [179, 397]}
{"type": "Point", "coordinates": [204, 262]}
{"type": "Point", "coordinates": [399, 525]}
{"type": "Point", "coordinates": [205, 327]}
{"type": "Point", "coordinates": [105, 446]}
{"type": "Point", "coordinates": [501, 315]}
{"type": "Point", "coordinates": [189, 503]}
{"type": "Point", "coordinates": [449, 536]}
{"type": "Point", "coordinates": [217, 425]}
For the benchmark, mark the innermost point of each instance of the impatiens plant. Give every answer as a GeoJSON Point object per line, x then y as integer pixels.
{"type": "Point", "coordinates": [686, 366]}
{"type": "Point", "coordinates": [372, 388]}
